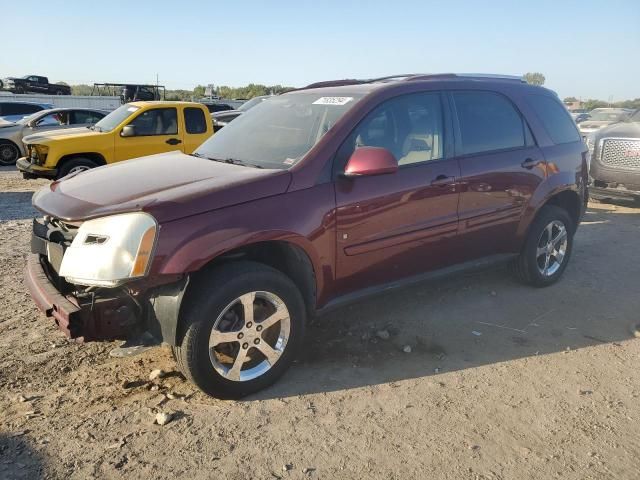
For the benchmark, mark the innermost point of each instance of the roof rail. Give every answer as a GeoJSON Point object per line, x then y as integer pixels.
{"type": "Point", "coordinates": [476, 76]}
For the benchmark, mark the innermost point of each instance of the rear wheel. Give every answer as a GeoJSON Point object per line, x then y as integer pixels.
{"type": "Point", "coordinates": [9, 153]}
{"type": "Point", "coordinates": [547, 249]}
{"type": "Point", "coordinates": [77, 164]}
{"type": "Point", "coordinates": [241, 330]}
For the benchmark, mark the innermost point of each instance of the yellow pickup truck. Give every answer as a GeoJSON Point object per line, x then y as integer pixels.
{"type": "Point", "coordinates": [133, 130]}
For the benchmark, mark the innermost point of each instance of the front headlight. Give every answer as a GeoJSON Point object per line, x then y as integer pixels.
{"type": "Point", "coordinates": [109, 251]}
{"type": "Point", "coordinates": [38, 154]}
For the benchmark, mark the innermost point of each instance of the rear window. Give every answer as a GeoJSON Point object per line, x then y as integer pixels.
{"type": "Point", "coordinates": [555, 118]}
{"type": "Point", "coordinates": [488, 121]}
{"type": "Point", "coordinates": [194, 120]}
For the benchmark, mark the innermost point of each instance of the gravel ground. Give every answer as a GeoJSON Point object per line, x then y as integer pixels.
{"type": "Point", "coordinates": [502, 382]}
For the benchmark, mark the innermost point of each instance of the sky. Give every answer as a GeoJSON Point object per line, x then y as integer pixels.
{"type": "Point", "coordinates": [586, 49]}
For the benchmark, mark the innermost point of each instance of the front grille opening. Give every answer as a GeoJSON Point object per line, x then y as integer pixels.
{"type": "Point", "coordinates": [621, 153]}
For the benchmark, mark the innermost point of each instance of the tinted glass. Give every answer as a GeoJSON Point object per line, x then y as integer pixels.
{"type": "Point", "coordinates": [488, 121]}
{"type": "Point", "coordinates": [194, 120]}
{"type": "Point", "coordinates": [218, 107]}
{"type": "Point", "coordinates": [159, 121]}
{"type": "Point", "coordinates": [80, 117]}
{"type": "Point", "coordinates": [19, 108]}
{"type": "Point", "coordinates": [555, 118]}
{"type": "Point", "coordinates": [410, 127]}
{"type": "Point", "coordinates": [279, 132]}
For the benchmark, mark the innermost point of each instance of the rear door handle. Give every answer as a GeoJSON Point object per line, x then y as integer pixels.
{"type": "Point", "coordinates": [174, 141]}
{"type": "Point", "coordinates": [443, 181]}
{"type": "Point", "coordinates": [529, 163]}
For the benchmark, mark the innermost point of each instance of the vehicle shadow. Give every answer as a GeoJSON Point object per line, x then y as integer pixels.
{"type": "Point", "coordinates": [16, 206]}
{"type": "Point", "coordinates": [479, 318]}
{"type": "Point", "coordinates": [18, 460]}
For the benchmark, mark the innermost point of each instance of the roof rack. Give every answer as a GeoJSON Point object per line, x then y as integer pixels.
{"type": "Point", "coordinates": [476, 76]}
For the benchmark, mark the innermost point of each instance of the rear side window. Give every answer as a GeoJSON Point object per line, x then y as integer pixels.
{"type": "Point", "coordinates": [194, 120]}
{"type": "Point", "coordinates": [488, 121]}
{"type": "Point", "coordinates": [555, 118]}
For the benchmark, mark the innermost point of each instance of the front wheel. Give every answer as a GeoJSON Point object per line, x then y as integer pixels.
{"type": "Point", "coordinates": [78, 164]}
{"type": "Point", "coordinates": [547, 249]}
{"type": "Point", "coordinates": [9, 153]}
{"type": "Point", "coordinates": [242, 328]}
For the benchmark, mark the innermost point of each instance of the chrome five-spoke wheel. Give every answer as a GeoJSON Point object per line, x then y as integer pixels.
{"type": "Point", "coordinates": [552, 247]}
{"type": "Point", "coordinates": [249, 336]}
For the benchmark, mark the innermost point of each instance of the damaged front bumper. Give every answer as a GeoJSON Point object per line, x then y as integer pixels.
{"type": "Point", "coordinates": [91, 313]}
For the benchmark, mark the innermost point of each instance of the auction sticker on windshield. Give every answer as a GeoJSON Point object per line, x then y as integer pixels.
{"type": "Point", "coordinates": [333, 100]}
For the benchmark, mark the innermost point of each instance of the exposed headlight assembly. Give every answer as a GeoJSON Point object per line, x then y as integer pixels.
{"type": "Point", "coordinates": [111, 250]}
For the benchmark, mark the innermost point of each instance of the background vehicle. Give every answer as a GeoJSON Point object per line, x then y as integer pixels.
{"type": "Point", "coordinates": [580, 117]}
{"type": "Point", "coordinates": [130, 92]}
{"type": "Point", "coordinates": [133, 130]}
{"type": "Point", "coordinates": [11, 134]}
{"type": "Point", "coordinates": [220, 119]}
{"type": "Point", "coordinates": [14, 111]}
{"type": "Point", "coordinates": [615, 160]}
{"type": "Point", "coordinates": [601, 117]}
{"type": "Point", "coordinates": [34, 84]}
{"type": "Point", "coordinates": [315, 198]}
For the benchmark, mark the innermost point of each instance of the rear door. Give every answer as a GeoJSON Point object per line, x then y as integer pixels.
{"type": "Point", "coordinates": [397, 225]}
{"type": "Point", "coordinates": [500, 167]}
{"type": "Point", "coordinates": [156, 131]}
{"type": "Point", "coordinates": [196, 128]}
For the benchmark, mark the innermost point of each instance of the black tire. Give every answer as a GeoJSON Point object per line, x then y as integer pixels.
{"type": "Point", "coordinates": [73, 163]}
{"type": "Point", "coordinates": [19, 90]}
{"type": "Point", "coordinates": [9, 153]}
{"type": "Point", "coordinates": [526, 266]}
{"type": "Point", "coordinates": [211, 294]}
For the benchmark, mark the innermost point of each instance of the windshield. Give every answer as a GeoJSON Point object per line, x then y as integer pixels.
{"type": "Point", "coordinates": [607, 116]}
{"type": "Point", "coordinates": [115, 118]}
{"type": "Point", "coordinates": [635, 117]}
{"type": "Point", "coordinates": [278, 133]}
{"type": "Point", "coordinates": [251, 103]}
{"type": "Point", "coordinates": [28, 118]}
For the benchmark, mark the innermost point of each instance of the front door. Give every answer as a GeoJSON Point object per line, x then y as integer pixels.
{"type": "Point", "coordinates": [397, 225]}
{"type": "Point", "coordinates": [156, 131]}
{"type": "Point", "coordinates": [501, 167]}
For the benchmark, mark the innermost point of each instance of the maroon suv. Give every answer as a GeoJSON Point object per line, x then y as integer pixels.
{"type": "Point", "coordinates": [309, 200]}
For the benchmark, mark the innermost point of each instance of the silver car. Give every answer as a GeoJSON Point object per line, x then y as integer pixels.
{"type": "Point", "coordinates": [12, 133]}
{"type": "Point", "coordinates": [602, 117]}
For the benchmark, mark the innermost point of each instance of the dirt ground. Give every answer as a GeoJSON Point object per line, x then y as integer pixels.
{"type": "Point", "coordinates": [503, 382]}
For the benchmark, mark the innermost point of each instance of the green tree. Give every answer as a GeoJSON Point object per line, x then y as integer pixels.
{"type": "Point", "coordinates": [534, 78]}
{"type": "Point", "coordinates": [570, 100]}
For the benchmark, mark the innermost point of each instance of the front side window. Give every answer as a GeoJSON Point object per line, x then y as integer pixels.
{"type": "Point", "coordinates": [194, 120]}
{"type": "Point", "coordinates": [158, 121]}
{"type": "Point", "coordinates": [555, 118]}
{"type": "Point", "coordinates": [409, 126]}
{"type": "Point", "coordinates": [279, 132]}
{"type": "Point", "coordinates": [54, 120]}
{"type": "Point", "coordinates": [488, 121]}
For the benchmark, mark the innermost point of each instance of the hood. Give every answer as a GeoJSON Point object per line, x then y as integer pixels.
{"type": "Point", "coordinates": [169, 186]}
{"type": "Point", "coordinates": [4, 125]}
{"type": "Point", "coordinates": [620, 130]}
{"type": "Point", "coordinates": [594, 124]}
{"type": "Point", "coordinates": [64, 133]}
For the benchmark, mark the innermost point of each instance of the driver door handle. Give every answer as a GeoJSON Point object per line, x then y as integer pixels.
{"type": "Point", "coordinates": [529, 163]}
{"type": "Point", "coordinates": [174, 141]}
{"type": "Point", "coordinates": [443, 181]}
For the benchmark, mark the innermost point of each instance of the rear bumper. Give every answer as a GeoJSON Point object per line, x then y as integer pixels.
{"type": "Point", "coordinates": [82, 320]}
{"type": "Point", "coordinates": [30, 170]}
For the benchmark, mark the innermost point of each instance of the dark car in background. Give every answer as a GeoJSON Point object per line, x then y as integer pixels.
{"type": "Point", "coordinates": [222, 118]}
{"type": "Point", "coordinates": [13, 111]}
{"type": "Point", "coordinates": [601, 117]}
{"type": "Point", "coordinates": [317, 197]}
{"type": "Point", "coordinates": [615, 160]}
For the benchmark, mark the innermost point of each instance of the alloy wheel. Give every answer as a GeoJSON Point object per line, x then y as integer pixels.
{"type": "Point", "coordinates": [551, 248]}
{"type": "Point", "coordinates": [249, 336]}
{"type": "Point", "coordinates": [8, 154]}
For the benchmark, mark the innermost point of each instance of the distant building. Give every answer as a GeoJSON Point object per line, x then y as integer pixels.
{"type": "Point", "coordinates": [577, 105]}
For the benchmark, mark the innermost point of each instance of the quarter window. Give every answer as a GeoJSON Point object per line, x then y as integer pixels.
{"type": "Point", "coordinates": [159, 121]}
{"type": "Point", "coordinates": [557, 121]}
{"type": "Point", "coordinates": [488, 121]}
{"type": "Point", "coordinates": [194, 120]}
{"type": "Point", "coordinates": [409, 126]}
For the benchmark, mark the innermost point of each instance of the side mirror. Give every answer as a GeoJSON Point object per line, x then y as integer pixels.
{"type": "Point", "coordinates": [128, 131]}
{"type": "Point", "coordinates": [370, 161]}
